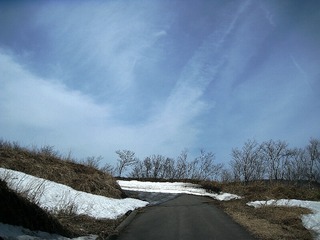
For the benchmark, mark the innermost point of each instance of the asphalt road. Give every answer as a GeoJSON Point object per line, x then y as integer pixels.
{"type": "Point", "coordinates": [186, 217]}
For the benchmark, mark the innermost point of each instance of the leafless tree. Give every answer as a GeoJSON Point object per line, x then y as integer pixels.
{"type": "Point", "coordinates": [137, 170]}
{"type": "Point", "coordinates": [92, 161]}
{"type": "Point", "coordinates": [274, 155]}
{"type": "Point", "coordinates": [125, 159]}
{"type": "Point", "coordinates": [151, 167]}
{"type": "Point", "coordinates": [169, 171]}
{"type": "Point", "coordinates": [205, 168]}
{"type": "Point", "coordinates": [295, 168]}
{"type": "Point", "coordinates": [108, 168]}
{"type": "Point", "coordinates": [226, 175]}
{"type": "Point", "coordinates": [157, 164]}
{"type": "Point", "coordinates": [247, 163]}
{"type": "Point", "coordinates": [181, 165]}
{"type": "Point", "coordinates": [147, 167]}
{"type": "Point", "coordinates": [313, 157]}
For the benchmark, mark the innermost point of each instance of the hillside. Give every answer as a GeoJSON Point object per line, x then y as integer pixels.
{"type": "Point", "coordinates": [48, 164]}
{"type": "Point", "coordinates": [30, 215]}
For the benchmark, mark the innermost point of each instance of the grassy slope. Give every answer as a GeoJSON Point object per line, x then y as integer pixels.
{"type": "Point", "coordinates": [47, 164]}
{"type": "Point", "coordinates": [16, 210]}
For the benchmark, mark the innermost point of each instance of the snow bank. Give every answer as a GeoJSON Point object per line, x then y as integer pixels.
{"type": "Point", "coordinates": [54, 197]}
{"type": "Point", "coordinates": [175, 187]}
{"type": "Point", "coordinates": [15, 232]}
{"type": "Point", "coordinates": [310, 221]}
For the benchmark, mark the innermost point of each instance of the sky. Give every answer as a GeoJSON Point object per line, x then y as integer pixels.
{"type": "Point", "coordinates": [159, 76]}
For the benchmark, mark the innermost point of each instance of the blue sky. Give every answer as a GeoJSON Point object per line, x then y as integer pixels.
{"type": "Point", "coordinates": [159, 76]}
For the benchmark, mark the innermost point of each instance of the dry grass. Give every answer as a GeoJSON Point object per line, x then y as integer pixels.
{"type": "Point", "coordinates": [270, 222]}
{"type": "Point", "coordinates": [17, 210]}
{"type": "Point", "coordinates": [48, 164]}
{"type": "Point", "coordinates": [82, 225]}
{"type": "Point", "coordinates": [265, 190]}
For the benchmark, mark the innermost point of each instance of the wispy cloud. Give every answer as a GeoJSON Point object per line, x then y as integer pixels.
{"type": "Point", "coordinates": [57, 115]}
{"type": "Point", "coordinates": [157, 76]}
{"type": "Point", "coordinates": [108, 38]}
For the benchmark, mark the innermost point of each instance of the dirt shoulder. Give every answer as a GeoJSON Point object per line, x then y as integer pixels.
{"type": "Point", "coordinates": [269, 222]}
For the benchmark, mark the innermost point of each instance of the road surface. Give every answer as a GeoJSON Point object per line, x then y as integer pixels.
{"type": "Point", "coordinates": [187, 217]}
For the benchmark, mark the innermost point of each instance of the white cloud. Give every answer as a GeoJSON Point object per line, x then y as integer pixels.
{"type": "Point", "coordinates": [106, 38]}
{"type": "Point", "coordinates": [160, 33]}
{"type": "Point", "coordinates": [42, 103]}
{"type": "Point", "coordinates": [33, 104]}
{"type": "Point", "coordinates": [37, 111]}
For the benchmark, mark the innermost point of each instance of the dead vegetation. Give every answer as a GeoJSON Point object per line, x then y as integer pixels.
{"type": "Point", "coordinates": [270, 222]}
{"type": "Point", "coordinates": [48, 164]}
{"type": "Point", "coordinates": [265, 223]}
{"type": "Point", "coordinates": [17, 210]}
{"type": "Point", "coordinates": [266, 190]}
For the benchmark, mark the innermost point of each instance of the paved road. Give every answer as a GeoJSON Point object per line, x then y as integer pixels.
{"type": "Point", "coordinates": [154, 198]}
{"type": "Point", "coordinates": [185, 217]}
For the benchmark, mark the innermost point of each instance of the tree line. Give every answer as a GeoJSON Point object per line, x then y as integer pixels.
{"type": "Point", "coordinates": [269, 160]}
{"type": "Point", "coordinates": [274, 160]}
{"type": "Point", "coordinates": [202, 167]}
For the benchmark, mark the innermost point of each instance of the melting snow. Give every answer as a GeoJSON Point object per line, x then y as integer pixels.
{"type": "Point", "coordinates": [175, 187]}
{"type": "Point", "coordinates": [310, 221]}
{"type": "Point", "coordinates": [54, 196]}
{"type": "Point", "coordinates": [15, 232]}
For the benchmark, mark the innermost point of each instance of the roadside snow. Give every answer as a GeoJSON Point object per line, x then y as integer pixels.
{"type": "Point", "coordinates": [16, 232]}
{"type": "Point", "coordinates": [310, 221]}
{"type": "Point", "coordinates": [175, 187]}
{"type": "Point", "coordinates": [54, 197]}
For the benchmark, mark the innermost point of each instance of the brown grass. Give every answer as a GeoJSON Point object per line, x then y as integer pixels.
{"type": "Point", "coordinates": [265, 190]}
{"type": "Point", "coordinates": [48, 164]}
{"type": "Point", "coordinates": [16, 210]}
{"type": "Point", "coordinates": [270, 222]}
{"type": "Point", "coordinates": [82, 225]}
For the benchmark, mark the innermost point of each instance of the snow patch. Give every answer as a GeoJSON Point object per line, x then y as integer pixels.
{"type": "Point", "coordinates": [310, 221]}
{"type": "Point", "coordinates": [16, 232]}
{"type": "Point", "coordinates": [54, 197]}
{"type": "Point", "coordinates": [174, 187]}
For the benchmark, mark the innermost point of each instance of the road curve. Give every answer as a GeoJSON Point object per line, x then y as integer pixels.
{"type": "Point", "coordinates": [186, 217]}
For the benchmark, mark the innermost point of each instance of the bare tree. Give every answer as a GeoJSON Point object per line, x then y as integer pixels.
{"type": "Point", "coordinates": [247, 164]}
{"type": "Point", "coordinates": [169, 171]}
{"type": "Point", "coordinates": [137, 171]}
{"type": "Point", "coordinates": [295, 168]}
{"type": "Point", "coordinates": [126, 158]}
{"type": "Point", "coordinates": [108, 168]}
{"type": "Point", "coordinates": [181, 165]}
{"type": "Point", "coordinates": [92, 161]}
{"type": "Point", "coordinates": [147, 165]}
{"type": "Point", "coordinates": [157, 165]}
{"type": "Point", "coordinates": [275, 155]}
{"type": "Point", "coordinates": [205, 169]}
{"type": "Point", "coordinates": [313, 157]}
{"type": "Point", "coordinates": [226, 175]}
